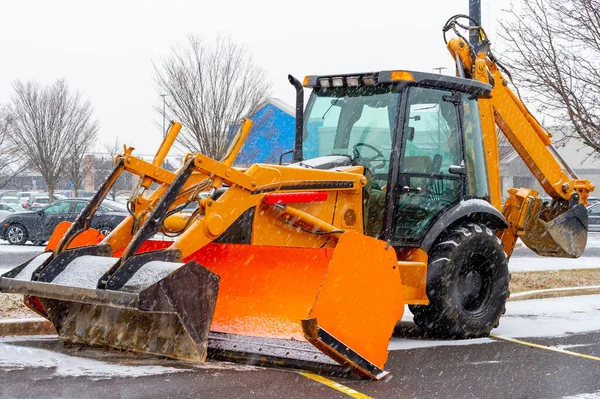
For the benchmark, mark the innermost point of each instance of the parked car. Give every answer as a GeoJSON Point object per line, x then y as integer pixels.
{"type": "Point", "coordinates": [9, 209]}
{"type": "Point", "coordinates": [594, 217]}
{"type": "Point", "coordinates": [25, 196]}
{"type": "Point", "coordinates": [39, 201]}
{"type": "Point", "coordinates": [592, 201]}
{"type": "Point", "coordinates": [37, 226]}
{"type": "Point", "coordinates": [10, 200]}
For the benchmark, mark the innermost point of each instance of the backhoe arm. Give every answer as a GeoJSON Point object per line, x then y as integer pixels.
{"type": "Point", "coordinates": [556, 229]}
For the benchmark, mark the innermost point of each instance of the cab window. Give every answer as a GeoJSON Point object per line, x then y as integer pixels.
{"type": "Point", "coordinates": [477, 178]}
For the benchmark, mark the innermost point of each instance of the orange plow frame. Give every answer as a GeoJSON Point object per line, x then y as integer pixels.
{"type": "Point", "coordinates": [321, 295]}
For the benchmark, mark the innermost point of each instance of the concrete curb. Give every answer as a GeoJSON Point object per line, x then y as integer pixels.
{"type": "Point", "coordinates": [555, 293]}
{"type": "Point", "coordinates": [31, 326]}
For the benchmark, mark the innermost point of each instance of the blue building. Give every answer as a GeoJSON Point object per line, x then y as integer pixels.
{"type": "Point", "coordinates": [271, 135]}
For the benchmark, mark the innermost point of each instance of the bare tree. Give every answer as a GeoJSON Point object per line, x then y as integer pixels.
{"type": "Point", "coordinates": [77, 169]}
{"type": "Point", "coordinates": [47, 124]}
{"type": "Point", "coordinates": [114, 148]}
{"type": "Point", "coordinates": [11, 164]}
{"type": "Point", "coordinates": [554, 53]}
{"type": "Point", "coordinates": [209, 89]}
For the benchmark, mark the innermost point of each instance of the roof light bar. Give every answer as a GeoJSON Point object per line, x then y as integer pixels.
{"type": "Point", "coordinates": [369, 81]}
{"type": "Point", "coordinates": [352, 81]}
{"type": "Point", "coordinates": [337, 82]}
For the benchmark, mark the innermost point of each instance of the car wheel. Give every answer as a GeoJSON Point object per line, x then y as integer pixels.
{"type": "Point", "coordinates": [16, 234]}
{"type": "Point", "coordinates": [105, 230]}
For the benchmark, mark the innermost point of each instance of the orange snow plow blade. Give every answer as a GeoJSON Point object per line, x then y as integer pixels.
{"type": "Point", "coordinates": [287, 306]}
{"type": "Point", "coordinates": [272, 300]}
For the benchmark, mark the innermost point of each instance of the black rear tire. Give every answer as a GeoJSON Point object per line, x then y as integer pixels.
{"type": "Point", "coordinates": [467, 284]}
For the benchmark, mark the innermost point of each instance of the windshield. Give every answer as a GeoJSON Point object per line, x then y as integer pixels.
{"type": "Point", "coordinates": [356, 122]}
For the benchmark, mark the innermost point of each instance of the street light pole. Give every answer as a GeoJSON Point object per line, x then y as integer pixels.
{"type": "Point", "coordinates": [164, 133]}
{"type": "Point", "coordinates": [475, 14]}
{"type": "Point", "coordinates": [439, 69]}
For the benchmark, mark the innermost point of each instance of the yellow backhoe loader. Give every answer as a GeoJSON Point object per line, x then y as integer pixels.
{"type": "Point", "coordinates": [393, 198]}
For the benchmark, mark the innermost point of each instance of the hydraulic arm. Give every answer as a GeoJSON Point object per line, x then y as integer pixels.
{"type": "Point", "coordinates": [557, 229]}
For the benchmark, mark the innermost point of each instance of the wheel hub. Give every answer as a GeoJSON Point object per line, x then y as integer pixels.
{"type": "Point", "coordinates": [472, 283]}
{"type": "Point", "coordinates": [473, 289]}
{"type": "Point", "coordinates": [15, 234]}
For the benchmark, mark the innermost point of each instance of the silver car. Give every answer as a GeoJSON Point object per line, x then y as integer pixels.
{"type": "Point", "coordinates": [594, 217]}
{"type": "Point", "coordinates": [9, 209]}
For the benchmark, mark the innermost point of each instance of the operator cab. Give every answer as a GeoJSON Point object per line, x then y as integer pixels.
{"type": "Point", "coordinates": [417, 135]}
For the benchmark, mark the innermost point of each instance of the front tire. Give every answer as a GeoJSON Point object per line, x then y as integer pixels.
{"type": "Point", "coordinates": [467, 284]}
{"type": "Point", "coordinates": [16, 234]}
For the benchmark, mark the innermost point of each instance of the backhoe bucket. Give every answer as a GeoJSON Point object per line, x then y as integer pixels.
{"type": "Point", "coordinates": [565, 236]}
{"type": "Point", "coordinates": [165, 309]}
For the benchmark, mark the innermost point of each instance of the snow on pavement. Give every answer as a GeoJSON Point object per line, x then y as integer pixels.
{"type": "Point", "coordinates": [530, 264]}
{"type": "Point", "coordinates": [21, 357]}
{"type": "Point", "coordinates": [14, 354]}
{"type": "Point", "coordinates": [5, 247]}
{"type": "Point", "coordinates": [553, 317]}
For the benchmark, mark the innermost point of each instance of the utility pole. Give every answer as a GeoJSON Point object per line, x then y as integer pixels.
{"type": "Point", "coordinates": [439, 69]}
{"type": "Point", "coordinates": [164, 133]}
{"type": "Point", "coordinates": [475, 14]}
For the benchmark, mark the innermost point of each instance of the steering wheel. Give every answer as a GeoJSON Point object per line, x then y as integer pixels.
{"type": "Point", "coordinates": [378, 154]}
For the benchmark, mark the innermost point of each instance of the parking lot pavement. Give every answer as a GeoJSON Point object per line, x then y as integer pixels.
{"type": "Point", "coordinates": [565, 362]}
{"type": "Point", "coordinates": [13, 255]}
{"type": "Point", "coordinates": [546, 348]}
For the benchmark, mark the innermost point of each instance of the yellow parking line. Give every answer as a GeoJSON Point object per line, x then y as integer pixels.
{"type": "Point", "coordinates": [332, 384]}
{"type": "Point", "coordinates": [548, 348]}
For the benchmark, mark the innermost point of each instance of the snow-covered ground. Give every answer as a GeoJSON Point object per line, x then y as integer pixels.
{"type": "Point", "coordinates": [13, 356]}
{"type": "Point", "coordinates": [554, 317]}
{"type": "Point", "coordinates": [5, 247]}
{"type": "Point", "coordinates": [16, 353]}
{"type": "Point", "coordinates": [530, 264]}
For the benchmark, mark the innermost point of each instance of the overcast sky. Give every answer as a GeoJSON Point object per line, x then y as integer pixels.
{"type": "Point", "coordinates": [106, 48]}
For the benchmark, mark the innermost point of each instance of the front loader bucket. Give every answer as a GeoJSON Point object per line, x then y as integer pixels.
{"type": "Point", "coordinates": [565, 236]}
{"type": "Point", "coordinates": [165, 309]}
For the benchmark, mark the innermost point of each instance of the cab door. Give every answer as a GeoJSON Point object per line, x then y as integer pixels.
{"type": "Point", "coordinates": [432, 171]}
